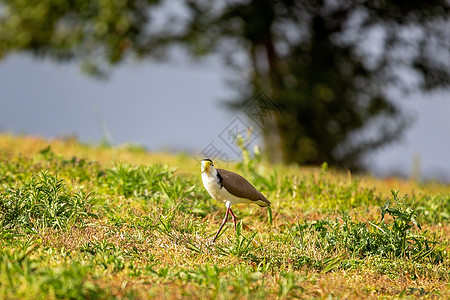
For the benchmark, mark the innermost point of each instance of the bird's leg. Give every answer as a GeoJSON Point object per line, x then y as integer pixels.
{"type": "Point", "coordinates": [234, 218]}
{"type": "Point", "coordinates": [223, 223]}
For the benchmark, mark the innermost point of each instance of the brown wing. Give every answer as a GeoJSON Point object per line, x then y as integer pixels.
{"type": "Point", "coordinates": [240, 187]}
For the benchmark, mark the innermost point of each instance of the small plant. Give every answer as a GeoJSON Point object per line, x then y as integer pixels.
{"type": "Point", "coordinates": [249, 161]}
{"type": "Point", "coordinates": [242, 247]}
{"type": "Point", "coordinates": [288, 285]}
{"type": "Point", "coordinates": [136, 181]}
{"type": "Point", "coordinates": [22, 276]}
{"type": "Point", "coordinates": [404, 217]}
{"type": "Point", "coordinates": [43, 202]}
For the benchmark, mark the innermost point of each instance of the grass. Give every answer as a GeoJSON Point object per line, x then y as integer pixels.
{"type": "Point", "coordinates": [85, 222]}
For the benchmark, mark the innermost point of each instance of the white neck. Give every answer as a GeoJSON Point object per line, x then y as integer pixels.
{"type": "Point", "coordinates": [211, 174]}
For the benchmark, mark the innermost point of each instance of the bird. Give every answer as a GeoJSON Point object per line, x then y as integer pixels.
{"type": "Point", "coordinates": [229, 188]}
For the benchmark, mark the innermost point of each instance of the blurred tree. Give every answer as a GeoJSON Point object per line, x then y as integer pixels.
{"type": "Point", "coordinates": [96, 32]}
{"type": "Point", "coordinates": [332, 68]}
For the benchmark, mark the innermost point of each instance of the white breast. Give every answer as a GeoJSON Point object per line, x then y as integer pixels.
{"type": "Point", "coordinates": [220, 194]}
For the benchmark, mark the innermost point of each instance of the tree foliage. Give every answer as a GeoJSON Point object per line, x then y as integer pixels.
{"type": "Point", "coordinates": [96, 32]}
{"type": "Point", "coordinates": [334, 68]}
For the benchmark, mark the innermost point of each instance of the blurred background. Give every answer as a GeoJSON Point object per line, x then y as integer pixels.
{"type": "Point", "coordinates": [363, 86]}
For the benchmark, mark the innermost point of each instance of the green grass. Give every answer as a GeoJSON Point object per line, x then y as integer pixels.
{"type": "Point", "coordinates": [77, 227]}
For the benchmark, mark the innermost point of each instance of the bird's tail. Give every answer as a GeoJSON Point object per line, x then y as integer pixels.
{"type": "Point", "coordinates": [263, 202]}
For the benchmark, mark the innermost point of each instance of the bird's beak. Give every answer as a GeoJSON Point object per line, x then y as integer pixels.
{"type": "Point", "coordinates": [205, 167]}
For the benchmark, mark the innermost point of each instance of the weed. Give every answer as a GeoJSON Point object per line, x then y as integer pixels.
{"type": "Point", "coordinates": [43, 202]}
{"type": "Point", "coordinates": [242, 246]}
{"type": "Point", "coordinates": [24, 277]}
{"type": "Point", "coordinates": [288, 285]}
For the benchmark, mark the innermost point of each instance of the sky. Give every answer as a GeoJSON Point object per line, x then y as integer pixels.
{"type": "Point", "coordinates": [178, 106]}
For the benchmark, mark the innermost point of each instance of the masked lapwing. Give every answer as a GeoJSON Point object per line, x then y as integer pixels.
{"type": "Point", "coordinates": [229, 188]}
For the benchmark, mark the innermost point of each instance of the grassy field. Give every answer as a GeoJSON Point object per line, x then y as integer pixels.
{"type": "Point", "coordinates": [85, 222]}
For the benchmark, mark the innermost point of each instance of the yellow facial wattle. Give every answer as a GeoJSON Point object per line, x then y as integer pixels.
{"type": "Point", "coordinates": [205, 166]}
